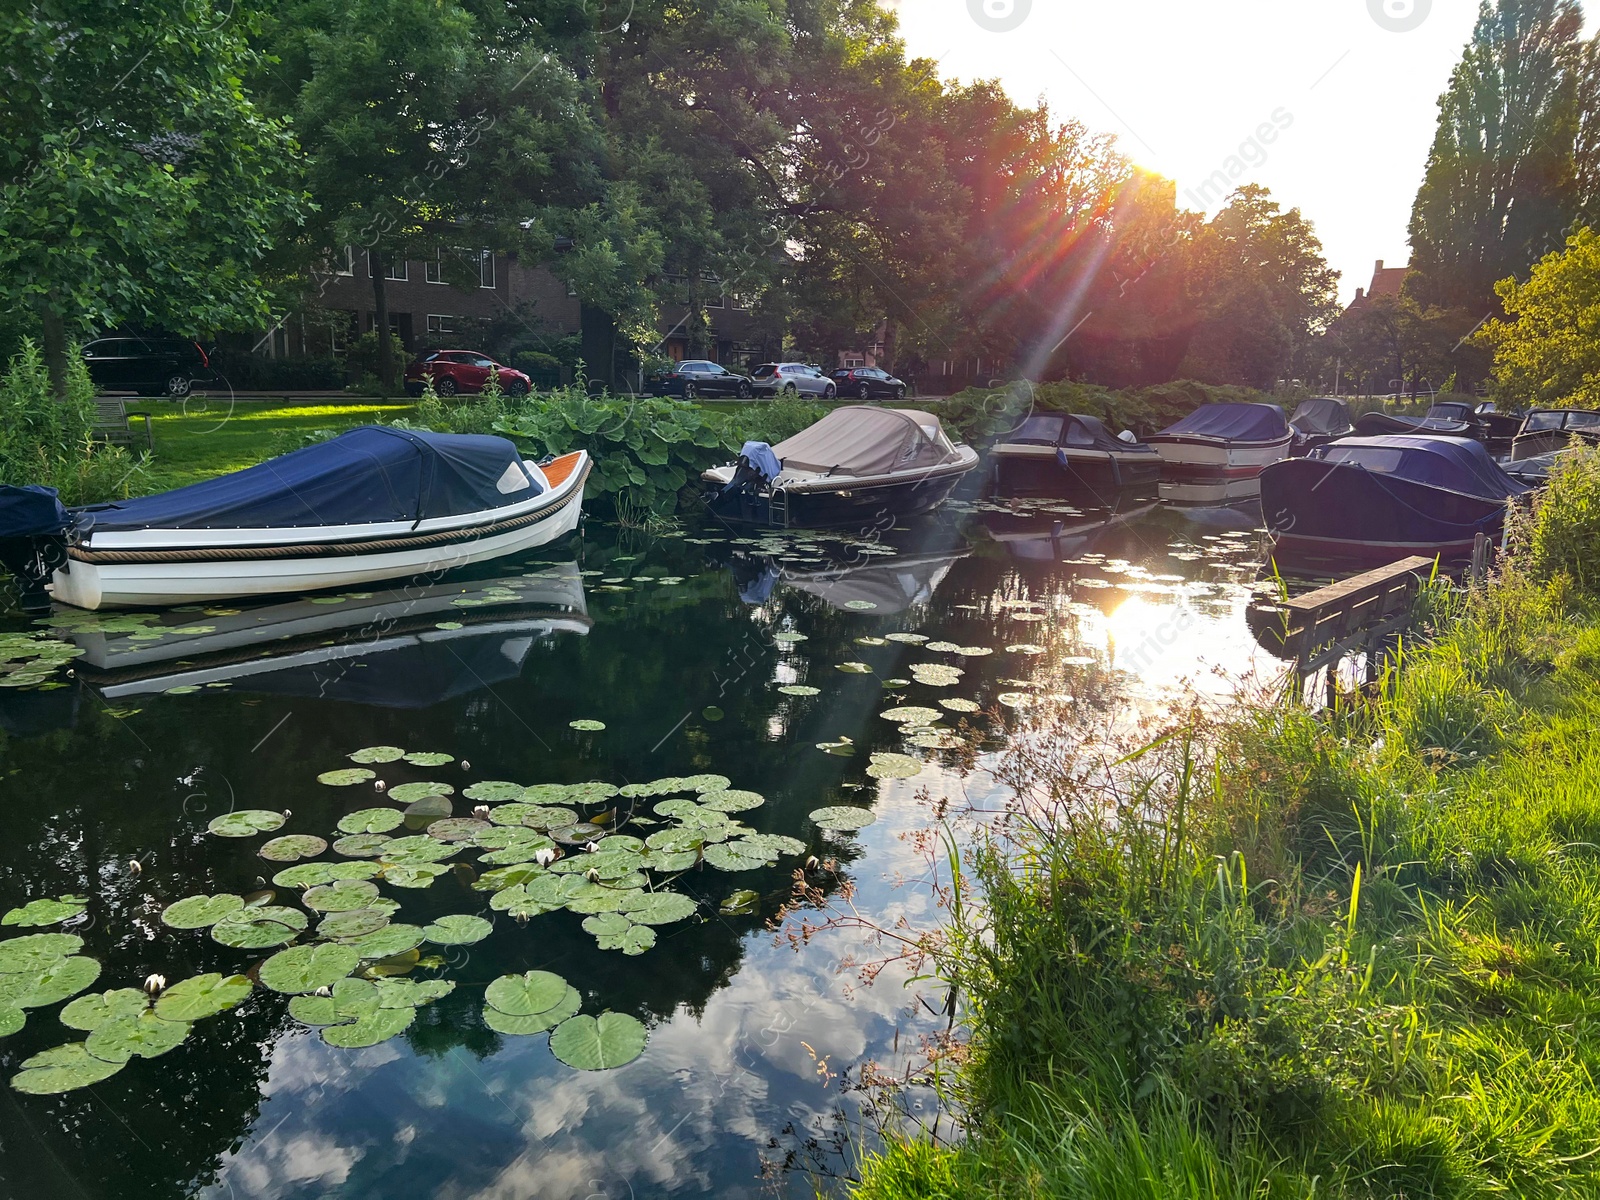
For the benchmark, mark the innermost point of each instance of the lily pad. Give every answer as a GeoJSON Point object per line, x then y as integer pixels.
{"type": "Point", "coordinates": [860, 605]}
{"type": "Point", "coordinates": [587, 726]}
{"type": "Point", "coordinates": [63, 978]}
{"type": "Point", "coordinates": [657, 908]}
{"type": "Point", "coordinates": [306, 968]}
{"type": "Point", "coordinates": [799, 689]}
{"type": "Point", "coordinates": [732, 801]}
{"type": "Point", "coordinates": [202, 996]}
{"type": "Point", "coordinates": [260, 928]}
{"type": "Point", "coordinates": [894, 766]}
{"type": "Point", "coordinates": [413, 874]}
{"type": "Point", "coordinates": [378, 754]}
{"type": "Point", "coordinates": [953, 704]}
{"type": "Point", "coordinates": [143, 1036]}
{"type": "Point", "coordinates": [527, 994]}
{"type": "Point", "coordinates": [342, 895]}
{"type": "Point", "coordinates": [429, 759]}
{"type": "Point", "coordinates": [789, 638]}
{"type": "Point", "coordinates": [842, 817]}
{"type": "Point", "coordinates": [35, 952]}
{"type": "Point", "coordinates": [46, 912]}
{"type": "Point", "coordinates": [580, 834]}
{"type": "Point", "coordinates": [418, 848]}
{"type": "Point", "coordinates": [352, 923]}
{"type": "Point", "coordinates": [613, 931]}
{"type": "Point", "coordinates": [348, 777]}
{"type": "Point", "coordinates": [909, 639]}
{"type": "Point", "coordinates": [495, 791]}
{"type": "Point", "coordinates": [726, 858]}
{"type": "Point", "coordinates": [533, 1023]}
{"type": "Point", "coordinates": [523, 902]}
{"type": "Point", "coordinates": [1015, 699]}
{"type": "Point", "coordinates": [388, 942]}
{"type": "Point", "coordinates": [667, 861]}
{"type": "Point", "coordinates": [410, 793]}
{"type": "Point", "coordinates": [518, 852]}
{"type": "Point", "coordinates": [62, 1069]}
{"type": "Point", "coordinates": [743, 903]}
{"type": "Point", "coordinates": [308, 875]}
{"type": "Point", "coordinates": [201, 912]}
{"type": "Point", "coordinates": [246, 823]}
{"type": "Point", "coordinates": [293, 848]}
{"type": "Point", "coordinates": [457, 829]}
{"type": "Point", "coordinates": [599, 1043]}
{"type": "Point", "coordinates": [351, 1000]}
{"type": "Point", "coordinates": [411, 993]}
{"type": "Point", "coordinates": [457, 929]}
{"type": "Point", "coordinates": [707, 783]}
{"type": "Point", "coordinates": [911, 714]}
{"type": "Point", "coordinates": [768, 845]}
{"type": "Point", "coordinates": [505, 877]}
{"type": "Point", "coordinates": [855, 668]}
{"type": "Point", "coordinates": [370, 820]}
{"type": "Point", "coordinates": [92, 1011]}
{"type": "Point", "coordinates": [363, 845]}
{"type": "Point", "coordinates": [374, 1027]}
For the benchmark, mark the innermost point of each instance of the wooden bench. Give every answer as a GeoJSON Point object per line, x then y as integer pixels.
{"type": "Point", "coordinates": [113, 425]}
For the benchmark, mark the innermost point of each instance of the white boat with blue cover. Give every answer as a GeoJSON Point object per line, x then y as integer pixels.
{"type": "Point", "coordinates": [373, 504]}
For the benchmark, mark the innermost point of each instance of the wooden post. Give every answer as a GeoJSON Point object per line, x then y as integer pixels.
{"type": "Point", "coordinates": [1482, 547]}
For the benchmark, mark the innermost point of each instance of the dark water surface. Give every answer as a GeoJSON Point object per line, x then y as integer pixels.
{"type": "Point", "coordinates": [670, 642]}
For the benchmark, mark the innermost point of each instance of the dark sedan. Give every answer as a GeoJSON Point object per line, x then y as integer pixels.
{"type": "Point", "coordinates": [696, 377]}
{"type": "Point", "coordinates": [151, 366]}
{"type": "Point", "coordinates": [868, 383]}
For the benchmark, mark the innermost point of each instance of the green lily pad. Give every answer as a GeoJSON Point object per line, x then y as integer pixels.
{"type": "Point", "coordinates": [388, 942]}
{"type": "Point", "coordinates": [613, 931]}
{"type": "Point", "coordinates": [351, 1000]}
{"type": "Point", "coordinates": [363, 845]}
{"type": "Point", "coordinates": [518, 901]}
{"type": "Point", "coordinates": [519, 852]}
{"type": "Point", "coordinates": [726, 857]}
{"type": "Point", "coordinates": [599, 1043]}
{"type": "Point", "coordinates": [34, 952]}
{"type": "Point", "coordinates": [732, 801]}
{"type": "Point", "coordinates": [378, 754]}
{"type": "Point", "coordinates": [457, 929]}
{"type": "Point", "coordinates": [429, 759]}
{"type": "Point", "coordinates": [894, 766]}
{"type": "Point", "coordinates": [669, 862]}
{"type": "Point", "coordinates": [92, 1011]}
{"type": "Point", "coordinates": [348, 777]}
{"type": "Point", "coordinates": [505, 877]}
{"type": "Point", "coordinates": [843, 817]}
{"type": "Point", "coordinates": [457, 829]}
{"type": "Point", "coordinates": [608, 866]}
{"type": "Point", "coordinates": [707, 783]}
{"type": "Point", "coordinates": [580, 834]}
{"type": "Point", "coordinates": [11, 1021]}
{"type": "Point", "coordinates": [62, 1069]}
{"type": "Point", "coordinates": [527, 994]}
{"type": "Point", "coordinates": [544, 817]}
{"type": "Point", "coordinates": [534, 1023]}
{"type": "Point", "coordinates": [63, 978]}
{"type": "Point", "coordinates": [413, 874]}
{"type": "Point", "coordinates": [767, 845]}
{"type": "Point", "coordinates": [676, 841]}
{"type": "Point", "coordinates": [309, 875]}
{"type": "Point", "coordinates": [495, 791]}
{"type": "Point", "coordinates": [741, 904]}
{"type": "Point", "coordinates": [911, 714]}
{"type": "Point", "coordinates": [855, 668]}
{"type": "Point", "coordinates": [410, 793]}
{"type": "Point", "coordinates": [293, 848]}
{"type": "Point", "coordinates": [419, 848]}
{"type": "Point", "coordinates": [46, 912]}
{"type": "Point", "coordinates": [372, 1028]}
{"type": "Point", "coordinates": [142, 1036]}
{"type": "Point", "coordinates": [246, 823]}
{"type": "Point", "coordinates": [260, 928]}
{"type": "Point", "coordinates": [201, 912]}
{"type": "Point", "coordinates": [202, 996]}
{"type": "Point", "coordinates": [954, 704]}
{"type": "Point", "coordinates": [860, 605]}
{"type": "Point", "coordinates": [587, 726]}
{"type": "Point", "coordinates": [789, 638]}
{"type": "Point", "coordinates": [342, 895]}
{"type": "Point", "coordinates": [657, 908]}
{"type": "Point", "coordinates": [352, 923]}
{"type": "Point", "coordinates": [370, 820]}
{"type": "Point", "coordinates": [799, 689]}
{"type": "Point", "coordinates": [306, 968]}
{"type": "Point", "coordinates": [412, 993]}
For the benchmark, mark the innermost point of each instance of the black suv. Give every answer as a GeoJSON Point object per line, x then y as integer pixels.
{"type": "Point", "coordinates": [868, 383]}
{"type": "Point", "coordinates": [697, 377]}
{"type": "Point", "coordinates": [151, 366]}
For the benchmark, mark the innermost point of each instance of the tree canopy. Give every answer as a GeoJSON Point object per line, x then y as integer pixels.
{"type": "Point", "coordinates": [1549, 355]}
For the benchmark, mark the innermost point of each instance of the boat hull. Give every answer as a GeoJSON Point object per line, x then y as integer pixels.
{"type": "Point", "coordinates": [1334, 514]}
{"type": "Point", "coordinates": [863, 506]}
{"type": "Point", "coordinates": [188, 574]}
{"type": "Point", "coordinates": [1024, 470]}
{"type": "Point", "coordinates": [1190, 457]}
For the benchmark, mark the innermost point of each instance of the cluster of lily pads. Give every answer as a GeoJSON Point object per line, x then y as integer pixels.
{"type": "Point", "coordinates": [31, 660]}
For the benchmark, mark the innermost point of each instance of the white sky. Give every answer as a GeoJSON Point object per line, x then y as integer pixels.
{"type": "Point", "coordinates": [1184, 82]}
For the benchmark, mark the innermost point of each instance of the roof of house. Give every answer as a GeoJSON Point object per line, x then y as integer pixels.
{"type": "Point", "coordinates": [1386, 281]}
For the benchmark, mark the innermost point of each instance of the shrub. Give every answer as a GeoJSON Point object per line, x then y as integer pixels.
{"type": "Point", "coordinates": [47, 441]}
{"type": "Point", "coordinates": [253, 372]}
{"type": "Point", "coordinates": [1565, 538]}
{"type": "Point", "coordinates": [362, 359]}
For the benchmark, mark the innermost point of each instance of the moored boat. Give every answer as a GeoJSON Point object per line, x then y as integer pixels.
{"type": "Point", "coordinates": [1050, 452]}
{"type": "Point", "coordinates": [1224, 442]}
{"type": "Point", "coordinates": [1449, 419]}
{"type": "Point", "coordinates": [1372, 501]}
{"type": "Point", "coordinates": [859, 466]}
{"type": "Point", "coordinates": [1548, 430]}
{"type": "Point", "coordinates": [373, 504]}
{"type": "Point", "coordinates": [1318, 421]}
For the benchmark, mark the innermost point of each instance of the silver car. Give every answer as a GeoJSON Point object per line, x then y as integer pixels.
{"type": "Point", "coordinates": [792, 379]}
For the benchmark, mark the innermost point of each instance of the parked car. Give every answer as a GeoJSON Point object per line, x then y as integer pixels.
{"type": "Point", "coordinates": [697, 377]}
{"type": "Point", "coordinates": [867, 383]}
{"type": "Point", "coordinates": [151, 366]}
{"type": "Point", "coordinates": [463, 372]}
{"type": "Point", "coordinates": [792, 379]}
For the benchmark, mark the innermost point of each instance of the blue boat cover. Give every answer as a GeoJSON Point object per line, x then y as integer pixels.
{"type": "Point", "coordinates": [1455, 464]}
{"type": "Point", "coordinates": [1232, 423]}
{"type": "Point", "coordinates": [367, 475]}
{"type": "Point", "coordinates": [1072, 430]}
{"type": "Point", "coordinates": [31, 511]}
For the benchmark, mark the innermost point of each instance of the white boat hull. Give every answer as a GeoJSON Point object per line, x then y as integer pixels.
{"type": "Point", "coordinates": [143, 584]}
{"type": "Point", "coordinates": [1210, 458]}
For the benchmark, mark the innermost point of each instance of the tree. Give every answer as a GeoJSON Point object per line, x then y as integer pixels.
{"type": "Point", "coordinates": [1549, 355]}
{"type": "Point", "coordinates": [1500, 187]}
{"type": "Point", "coordinates": [138, 182]}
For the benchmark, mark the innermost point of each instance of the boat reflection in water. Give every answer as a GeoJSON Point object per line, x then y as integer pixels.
{"type": "Point", "coordinates": [883, 587]}
{"type": "Point", "coordinates": [403, 648]}
{"type": "Point", "coordinates": [1044, 536]}
{"type": "Point", "coordinates": [1209, 492]}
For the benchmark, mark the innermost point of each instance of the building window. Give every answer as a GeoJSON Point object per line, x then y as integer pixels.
{"type": "Point", "coordinates": [345, 263]}
{"type": "Point", "coordinates": [441, 324]}
{"type": "Point", "coordinates": [486, 268]}
{"type": "Point", "coordinates": [395, 270]}
{"type": "Point", "coordinates": [854, 362]}
{"type": "Point", "coordinates": [432, 270]}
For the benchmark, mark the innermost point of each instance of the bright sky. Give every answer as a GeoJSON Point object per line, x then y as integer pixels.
{"type": "Point", "coordinates": [1183, 83]}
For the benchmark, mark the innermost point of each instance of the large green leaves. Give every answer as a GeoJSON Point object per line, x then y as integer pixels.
{"type": "Point", "coordinates": [202, 996]}
{"type": "Point", "coordinates": [201, 912]}
{"type": "Point", "coordinates": [144, 1035]}
{"type": "Point", "coordinates": [63, 1069]}
{"type": "Point", "coordinates": [599, 1043]}
{"type": "Point", "coordinates": [259, 928]}
{"type": "Point", "coordinates": [46, 912]}
{"type": "Point", "coordinates": [245, 823]}
{"type": "Point", "coordinates": [307, 968]}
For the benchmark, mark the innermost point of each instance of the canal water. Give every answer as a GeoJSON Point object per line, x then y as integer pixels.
{"type": "Point", "coordinates": [702, 651]}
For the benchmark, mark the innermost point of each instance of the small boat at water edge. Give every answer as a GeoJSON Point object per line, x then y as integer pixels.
{"type": "Point", "coordinates": [860, 466]}
{"type": "Point", "coordinates": [1318, 421]}
{"type": "Point", "coordinates": [1547, 430]}
{"type": "Point", "coordinates": [1224, 442]}
{"type": "Point", "coordinates": [1448, 419]}
{"type": "Point", "coordinates": [1372, 501]}
{"type": "Point", "coordinates": [1048, 453]}
{"type": "Point", "coordinates": [373, 504]}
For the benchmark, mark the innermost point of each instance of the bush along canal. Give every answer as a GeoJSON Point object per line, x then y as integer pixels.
{"type": "Point", "coordinates": [487, 885]}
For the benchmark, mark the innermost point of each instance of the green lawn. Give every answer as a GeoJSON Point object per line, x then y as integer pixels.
{"type": "Point", "coordinates": [194, 443]}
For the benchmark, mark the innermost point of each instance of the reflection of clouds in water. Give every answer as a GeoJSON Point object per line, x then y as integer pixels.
{"type": "Point", "coordinates": [275, 1165]}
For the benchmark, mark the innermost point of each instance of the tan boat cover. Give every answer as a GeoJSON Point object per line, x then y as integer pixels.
{"type": "Point", "coordinates": [860, 440]}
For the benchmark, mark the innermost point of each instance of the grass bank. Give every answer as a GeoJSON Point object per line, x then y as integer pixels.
{"type": "Point", "coordinates": [1287, 955]}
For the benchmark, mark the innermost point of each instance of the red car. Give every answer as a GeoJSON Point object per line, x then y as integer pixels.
{"type": "Point", "coordinates": [463, 372]}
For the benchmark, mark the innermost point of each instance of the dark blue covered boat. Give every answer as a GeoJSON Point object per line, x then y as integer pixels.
{"type": "Point", "coordinates": [1372, 501]}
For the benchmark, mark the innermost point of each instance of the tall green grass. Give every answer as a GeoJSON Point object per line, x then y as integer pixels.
{"type": "Point", "coordinates": [1355, 953]}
